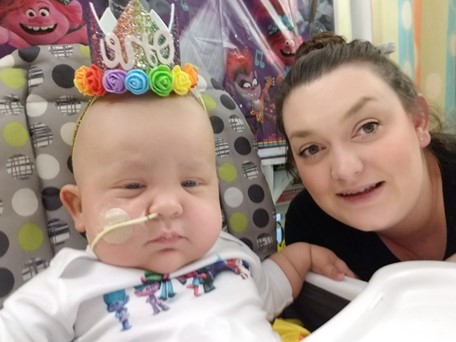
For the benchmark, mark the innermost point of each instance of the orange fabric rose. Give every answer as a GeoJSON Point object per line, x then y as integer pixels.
{"type": "Point", "coordinates": [88, 80]}
{"type": "Point", "coordinates": [192, 73]}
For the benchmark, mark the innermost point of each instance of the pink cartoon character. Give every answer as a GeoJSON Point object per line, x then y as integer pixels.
{"type": "Point", "coordinates": [150, 290]}
{"type": "Point", "coordinates": [25, 23]}
{"type": "Point", "coordinates": [279, 30]}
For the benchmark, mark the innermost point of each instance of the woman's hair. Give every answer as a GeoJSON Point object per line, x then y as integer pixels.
{"type": "Point", "coordinates": [326, 52]}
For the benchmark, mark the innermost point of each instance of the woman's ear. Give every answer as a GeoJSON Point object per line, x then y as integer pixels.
{"type": "Point", "coordinates": [71, 199]}
{"type": "Point", "coordinates": [421, 120]}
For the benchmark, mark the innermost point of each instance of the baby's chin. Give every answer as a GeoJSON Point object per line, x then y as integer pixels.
{"type": "Point", "coordinates": [168, 262]}
{"type": "Point", "coordinates": [162, 264]}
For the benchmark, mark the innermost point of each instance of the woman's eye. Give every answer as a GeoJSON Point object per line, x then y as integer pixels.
{"type": "Point", "coordinates": [310, 151]}
{"type": "Point", "coordinates": [368, 128]}
{"type": "Point", "coordinates": [189, 184]}
{"type": "Point", "coordinates": [134, 186]}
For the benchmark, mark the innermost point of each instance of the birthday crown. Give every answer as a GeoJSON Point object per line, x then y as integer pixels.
{"type": "Point", "coordinates": [135, 53]}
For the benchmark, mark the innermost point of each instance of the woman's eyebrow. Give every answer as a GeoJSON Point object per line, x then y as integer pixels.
{"type": "Point", "coordinates": [355, 108]}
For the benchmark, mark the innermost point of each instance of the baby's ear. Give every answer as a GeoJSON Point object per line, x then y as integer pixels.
{"type": "Point", "coordinates": [71, 199]}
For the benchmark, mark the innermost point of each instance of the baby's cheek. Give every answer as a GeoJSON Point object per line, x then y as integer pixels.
{"type": "Point", "coordinates": [111, 217]}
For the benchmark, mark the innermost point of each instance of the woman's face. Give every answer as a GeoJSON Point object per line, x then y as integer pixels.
{"type": "Point", "coordinates": [357, 150]}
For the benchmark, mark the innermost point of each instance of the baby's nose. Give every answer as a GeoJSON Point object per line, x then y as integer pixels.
{"type": "Point", "coordinates": [166, 206]}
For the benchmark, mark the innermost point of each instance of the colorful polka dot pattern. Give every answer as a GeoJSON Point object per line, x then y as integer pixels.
{"type": "Point", "coordinates": [246, 199]}
{"type": "Point", "coordinates": [38, 109]}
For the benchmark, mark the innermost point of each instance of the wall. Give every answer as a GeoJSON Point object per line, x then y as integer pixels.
{"type": "Point", "coordinates": [424, 32]}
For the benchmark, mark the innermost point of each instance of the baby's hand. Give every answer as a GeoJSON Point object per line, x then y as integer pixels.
{"type": "Point", "coordinates": [327, 263]}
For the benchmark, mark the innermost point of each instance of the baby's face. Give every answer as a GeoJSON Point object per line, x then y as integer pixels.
{"type": "Point", "coordinates": [147, 155]}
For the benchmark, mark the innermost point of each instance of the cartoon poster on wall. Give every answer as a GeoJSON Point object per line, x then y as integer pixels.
{"type": "Point", "coordinates": [246, 45]}
{"type": "Point", "coordinates": [25, 23]}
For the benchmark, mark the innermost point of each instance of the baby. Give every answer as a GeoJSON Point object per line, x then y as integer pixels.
{"type": "Point", "coordinates": [158, 266]}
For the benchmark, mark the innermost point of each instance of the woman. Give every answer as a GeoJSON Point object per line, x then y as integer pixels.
{"type": "Point", "coordinates": [379, 186]}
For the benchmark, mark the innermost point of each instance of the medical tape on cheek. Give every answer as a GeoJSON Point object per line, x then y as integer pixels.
{"type": "Point", "coordinates": [117, 226]}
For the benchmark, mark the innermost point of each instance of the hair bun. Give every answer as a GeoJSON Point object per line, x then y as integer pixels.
{"type": "Point", "coordinates": [319, 41]}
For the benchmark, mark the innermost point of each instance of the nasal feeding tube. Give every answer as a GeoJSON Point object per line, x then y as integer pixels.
{"type": "Point", "coordinates": [124, 221]}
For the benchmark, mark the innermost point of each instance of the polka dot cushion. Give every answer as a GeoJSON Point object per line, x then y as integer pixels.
{"type": "Point", "coordinates": [245, 196]}
{"type": "Point", "coordinates": [38, 109]}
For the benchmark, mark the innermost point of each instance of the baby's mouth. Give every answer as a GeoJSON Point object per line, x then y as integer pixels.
{"type": "Point", "coordinates": [167, 238]}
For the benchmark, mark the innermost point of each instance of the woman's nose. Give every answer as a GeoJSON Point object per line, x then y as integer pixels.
{"type": "Point", "coordinates": [345, 165]}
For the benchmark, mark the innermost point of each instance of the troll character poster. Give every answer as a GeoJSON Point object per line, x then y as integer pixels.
{"type": "Point", "coordinates": [247, 46]}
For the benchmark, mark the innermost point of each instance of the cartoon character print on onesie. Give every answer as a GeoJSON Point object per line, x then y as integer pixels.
{"type": "Point", "coordinates": [159, 288]}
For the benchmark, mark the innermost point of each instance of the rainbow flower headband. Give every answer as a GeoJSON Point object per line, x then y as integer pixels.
{"type": "Point", "coordinates": [134, 53]}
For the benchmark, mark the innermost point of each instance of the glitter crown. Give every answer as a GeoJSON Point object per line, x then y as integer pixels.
{"type": "Point", "coordinates": [135, 53]}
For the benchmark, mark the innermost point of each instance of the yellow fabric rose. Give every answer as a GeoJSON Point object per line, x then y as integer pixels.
{"type": "Point", "coordinates": [181, 81]}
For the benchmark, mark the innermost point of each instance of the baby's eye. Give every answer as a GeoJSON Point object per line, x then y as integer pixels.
{"type": "Point", "coordinates": [133, 186]}
{"type": "Point", "coordinates": [189, 183]}
{"type": "Point", "coordinates": [310, 151]}
{"type": "Point", "coordinates": [368, 128]}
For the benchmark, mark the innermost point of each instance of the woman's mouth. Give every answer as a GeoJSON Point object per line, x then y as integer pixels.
{"type": "Point", "coordinates": [363, 191]}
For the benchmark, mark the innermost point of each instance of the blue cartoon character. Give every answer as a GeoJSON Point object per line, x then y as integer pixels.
{"type": "Point", "coordinates": [116, 302]}
{"type": "Point", "coordinates": [149, 290]}
{"type": "Point", "coordinates": [166, 285]}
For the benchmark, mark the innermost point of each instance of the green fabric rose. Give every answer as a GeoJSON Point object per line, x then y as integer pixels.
{"type": "Point", "coordinates": [161, 80]}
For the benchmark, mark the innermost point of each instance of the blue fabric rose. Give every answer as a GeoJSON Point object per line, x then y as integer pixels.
{"type": "Point", "coordinates": [137, 81]}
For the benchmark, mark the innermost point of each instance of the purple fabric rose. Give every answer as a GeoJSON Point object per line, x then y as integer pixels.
{"type": "Point", "coordinates": [137, 81]}
{"type": "Point", "coordinates": [114, 81]}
